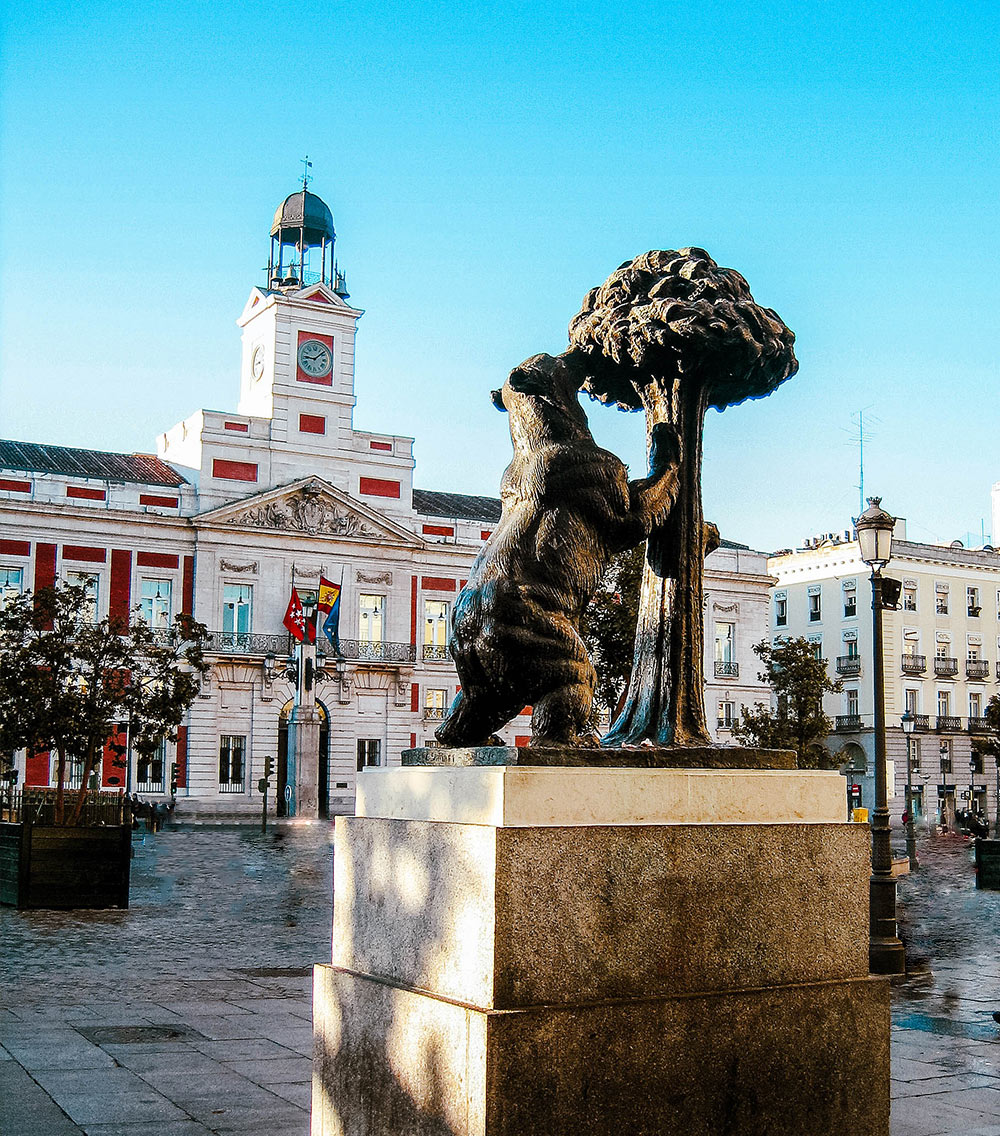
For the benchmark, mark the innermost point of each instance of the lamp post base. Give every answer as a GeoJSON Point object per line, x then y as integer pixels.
{"type": "Point", "coordinates": [886, 953]}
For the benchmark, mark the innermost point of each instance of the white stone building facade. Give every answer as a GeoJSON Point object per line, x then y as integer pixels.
{"type": "Point", "coordinates": [238, 508]}
{"type": "Point", "coordinates": [941, 653]}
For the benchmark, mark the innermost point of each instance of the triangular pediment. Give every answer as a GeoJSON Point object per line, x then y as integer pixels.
{"type": "Point", "coordinates": [312, 507]}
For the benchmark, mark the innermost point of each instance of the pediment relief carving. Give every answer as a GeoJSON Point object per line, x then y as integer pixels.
{"type": "Point", "coordinates": [307, 510]}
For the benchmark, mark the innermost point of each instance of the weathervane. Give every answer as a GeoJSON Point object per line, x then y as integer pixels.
{"type": "Point", "coordinates": [306, 167]}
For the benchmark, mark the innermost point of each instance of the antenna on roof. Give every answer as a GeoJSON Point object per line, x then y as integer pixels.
{"type": "Point", "coordinates": [306, 167]}
{"type": "Point", "coordinates": [858, 438]}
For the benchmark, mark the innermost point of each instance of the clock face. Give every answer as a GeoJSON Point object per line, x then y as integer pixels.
{"type": "Point", "coordinates": [257, 361]}
{"type": "Point", "coordinates": [315, 358]}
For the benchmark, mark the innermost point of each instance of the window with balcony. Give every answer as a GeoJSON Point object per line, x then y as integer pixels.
{"type": "Point", "coordinates": [941, 600]}
{"type": "Point", "coordinates": [851, 700]}
{"type": "Point", "coordinates": [725, 650]}
{"type": "Point", "coordinates": [435, 629]}
{"type": "Point", "coordinates": [974, 606]}
{"type": "Point", "coordinates": [815, 607]}
{"type": "Point", "coordinates": [369, 752]}
{"type": "Point", "coordinates": [232, 763]}
{"type": "Point", "coordinates": [780, 611]}
{"type": "Point", "coordinates": [371, 619]}
{"type": "Point", "coordinates": [944, 703]}
{"type": "Point", "coordinates": [850, 602]}
{"type": "Point", "coordinates": [11, 584]}
{"type": "Point", "coordinates": [154, 600]}
{"type": "Point", "coordinates": [237, 608]}
{"type": "Point", "coordinates": [435, 702]}
{"type": "Point", "coordinates": [727, 714]}
{"type": "Point", "coordinates": [975, 704]}
{"type": "Point", "coordinates": [909, 597]}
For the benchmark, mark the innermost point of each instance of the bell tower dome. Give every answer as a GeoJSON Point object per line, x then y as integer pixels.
{"type": "Point", "coordinates": [302, 241]}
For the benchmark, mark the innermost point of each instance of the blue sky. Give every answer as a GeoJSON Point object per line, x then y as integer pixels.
{"type": "Point", "coordinates": [487, 165]}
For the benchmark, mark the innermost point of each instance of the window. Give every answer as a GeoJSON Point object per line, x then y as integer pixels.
{"type": "Point", "coordinates": [725, 635]}
{"type": "Point", "coordinates": [74, 771]}
{"type": "Point", "coordinates": [973, 653]}
{"type": "Point", "coordinates": [852, 703]}
{"type": "Point", "coordinates": [911, 642]}
{"type": "Point", "coordinates": [915, 754]}
{"type": "Point", "coordinates": [941, 650]}
{"type": "Point", "coordinates": [972, 600]}
{"type": "Point", "coordinates": [945, 757]}
{"type": "Point", "coordinates": [435, 628]}
{"type": "Point", "coordinates": [781, 611]}
{"type": "Point", "coordinates": [850, 602]}
{"type": "Point", "coordinates": [975, 704]}
{"type": "Point", "coordinates": [910, 701]}
{"type": "Point", "coordinates": [851, 648]}
{"type": "Point", "coordinates": [815, 608]}
{"type": "Point", "coordinates": [149, 770]}
{"type": "Point", "coordinates": [727, 714]}
{"type": "Point", "coordinates": [434, 703]}
{"type": "Point", "coordinates": [237, 608]}
{"type": "Point", "coordinates": [90, 582]}
{"type": "Point", "coordinates": [941, 599]}
{"type": "Point", "coordinates": [11, 582]}
{"type": "Point", "coordinates": [817, 646]}
{"type": "Point", "coordinates": [154, 598]}
{"type": "Point", "coordinates": [369, 752]}
{"type": "Point", "coordinates": [232, 762]}
{"type": "Point", "coordinates": [371, 619]}
{"type": "Point", "coordinates": [909, 597]}
{"type": "Point", "coordinates": [944, 703]}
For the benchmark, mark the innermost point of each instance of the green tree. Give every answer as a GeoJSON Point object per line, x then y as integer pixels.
{"type": "Point", "coordinates": [68, 683]}
{"type": "Point", "coordinates": [799, 680]}
{"type": "Point", "coordinates": [609, 626]}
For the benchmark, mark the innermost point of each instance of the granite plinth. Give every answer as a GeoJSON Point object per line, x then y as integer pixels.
{"type": "Point", "coordinates": [803, 1060]}
{"type": "Point", "coordinates": [531, 795]}
{"type": "Point", "coordinates": [508, 917]}
{"type": "Point", "coordinates": [639, 757]}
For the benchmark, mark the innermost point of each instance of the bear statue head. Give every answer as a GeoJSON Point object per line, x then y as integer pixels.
{"type": "Point", "coordinates": [541, 395]}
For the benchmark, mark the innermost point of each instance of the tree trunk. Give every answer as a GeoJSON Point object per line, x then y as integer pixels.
{"type": "Point", "coordinates": [81, 796]}
{"type": "Point", "coordinates": [665, 703]}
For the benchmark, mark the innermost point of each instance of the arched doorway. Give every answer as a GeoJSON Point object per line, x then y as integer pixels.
{"type": "Point", "coordinates": [324, 758]}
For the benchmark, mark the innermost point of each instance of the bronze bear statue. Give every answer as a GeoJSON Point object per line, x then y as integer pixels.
{"type": "Point", "coordinates": [567, 509]}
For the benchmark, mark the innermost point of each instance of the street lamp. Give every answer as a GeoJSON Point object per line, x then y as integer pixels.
{"type": "Point", "coordinates": [886, 954]}
{"type": "Point", "coordinates": [909, 722]}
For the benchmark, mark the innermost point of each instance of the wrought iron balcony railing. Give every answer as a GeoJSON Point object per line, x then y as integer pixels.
{"type": "Point", "coordinates": [978, 726]}
{"type": "Point", "coordinates": [726, 669]}
{"type": "Point", "coordinates": [849, 664]}
{"type": "Point", "coordinates": [945, 666]}
{"type": "Point", "coordinates": [359, 651]}
{"type": "Point", "coordinates": [247, 643]}
{"type": "Point", "coordinates": [851, 722]}
{"type": "Point", "coordinates": [435, 713]}
{"type": "Point", "coordinates": [914, 664]}
{"type": "Point", "coordinates": [977, 668]}
{"type": "Point", "coordinates": [921, 722]}
{"type": "Point", "coordinates": [434, 651]}
{"type": "Point", "coordinates": [725, 723]}
{"type": "Point", "coordinates": [948, 723]}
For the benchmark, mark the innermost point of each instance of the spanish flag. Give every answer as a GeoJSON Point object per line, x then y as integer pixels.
{"type": "Point", "coordinates": [329, 605]}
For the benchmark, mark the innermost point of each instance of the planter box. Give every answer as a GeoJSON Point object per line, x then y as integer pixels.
{"type": "Point", "coordinates": [55, 867]}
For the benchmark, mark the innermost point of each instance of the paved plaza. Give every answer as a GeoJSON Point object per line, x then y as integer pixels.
{"type": "Point", "coordinates": [190, 1013]}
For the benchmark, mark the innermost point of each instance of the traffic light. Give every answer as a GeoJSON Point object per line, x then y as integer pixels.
{"type": "Point", "coordinates": [268, 768]}
{"type": "Point", "coordinates": [173, 778]}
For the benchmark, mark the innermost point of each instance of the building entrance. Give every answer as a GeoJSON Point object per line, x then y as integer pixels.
{"type": "Point", "coordinates": [324, 759]}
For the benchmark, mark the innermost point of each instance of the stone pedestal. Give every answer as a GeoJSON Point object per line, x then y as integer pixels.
{"type": "Point", "coordinates": [521, 951]}
{"type": "Point", "coordinates": [303, 761]}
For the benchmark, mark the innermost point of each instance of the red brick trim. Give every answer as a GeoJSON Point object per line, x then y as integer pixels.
{"type": "Point", "coordinates": [415, 696]}
{"type": "Point", "coordinates": [15, 486]}
{"type": "Point", "coordinates": [227, 470]}
{"type": "Point", "coordinates": [379, 487]}
{"type": "Point", "coordinates": [312, 424]}
{"type": "Point", "coordinates": [413, 611]}
{"type": "Point", "coordinates": [15, 547]}
{"type": "Point", "coordinates": [438, 530]}
{"type": "Point", "coordinates": [485, 534]}
{"type": "Point", "coordinates": [380, 446]}
{"type": "Point", "coordinates": [36, 771]}
{"type": "Point", "coordinates": [157, 559]}
{"type": "Point", "coordinates": [522, 740]}
{"type": "Point", "coordinates": [317, 380]}
{"type": "Point", "coordinates": [164, 502]}
{"type": "Point", "coordinates": [413, 741]}
{"type": "Point", "coordinates": [86, 494]}
{"type": "Point", "coordinates": [182, 757]}
{"type": "Point", "coordinates": [437, 584]}
{"type": "Point", "coordinates": [239, 427]}
{"type": "Point", "coordinates": [121, 585]}
{"type": "Point", "coordinates": [85, 553]}
{"type": "Point", "coordinates": [187, 587]}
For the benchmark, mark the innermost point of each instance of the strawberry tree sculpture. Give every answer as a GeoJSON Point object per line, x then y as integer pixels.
{"type": "Point", "coordinates": [672, 333]}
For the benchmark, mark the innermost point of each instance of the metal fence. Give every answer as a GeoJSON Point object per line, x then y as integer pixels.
{"type": "Point", "coordinates": [38, 806]}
